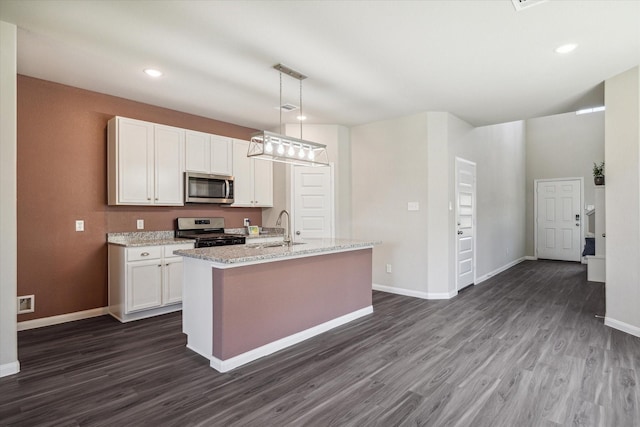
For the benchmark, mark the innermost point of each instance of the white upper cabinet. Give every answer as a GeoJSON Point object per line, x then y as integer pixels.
{"type": "Point", "coordinates": [206, 153]}
{"type": "Point", "coordinates": [253, 179]}
{"type": "Point", "coordinates": [145, 163]}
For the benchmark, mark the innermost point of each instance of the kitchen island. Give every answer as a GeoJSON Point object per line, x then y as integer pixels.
{"type": "Point", "coordinates": [244, 302]}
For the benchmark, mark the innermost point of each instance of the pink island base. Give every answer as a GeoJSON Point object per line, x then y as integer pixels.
{"type": "Point", "coordinates": [258, 309]}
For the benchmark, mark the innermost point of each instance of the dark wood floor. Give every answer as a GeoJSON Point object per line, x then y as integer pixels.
{"type": "Point", "coordinates": [522, 349]}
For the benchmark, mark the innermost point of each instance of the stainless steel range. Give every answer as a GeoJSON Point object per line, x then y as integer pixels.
{"type": "Point", "coordinates": [207, 232]}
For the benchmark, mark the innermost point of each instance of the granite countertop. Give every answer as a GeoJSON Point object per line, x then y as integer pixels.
{"type": "Point", "coordinates": [145, 238]}
{"type": "Point", "coordinates": [237, 254]}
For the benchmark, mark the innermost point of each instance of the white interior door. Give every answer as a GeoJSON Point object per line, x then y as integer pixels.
{"type": "Point", "coordinates": [558, 219]}
{"type": "Point", "coordinates": [312, 199]}
{"type": "Point", "coordinates": [465, 222]}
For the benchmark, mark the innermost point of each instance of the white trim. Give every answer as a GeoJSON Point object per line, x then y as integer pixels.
{"type": "Point", "coordinates": [412, 293]}
{"type": "Point", "coordinates": [474, 225]}
{"type": "Point", "coordinates": [535, 210]}
{"type": "Point", "coordinates": [272, 347]}
{"type": "Point", "coordinates": [531, 258]}
{"type": "Point", "coordinates": [622, 326]}
{"type": "Point", "coordinates": [62, 318]}
{"type": "Point", "coordinates": [9, 369]}
{"type": "Point", "coordinates": [499, 270]}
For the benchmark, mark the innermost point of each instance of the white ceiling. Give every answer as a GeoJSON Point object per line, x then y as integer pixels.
{"type": "Point", "coordinates": [366, 60]}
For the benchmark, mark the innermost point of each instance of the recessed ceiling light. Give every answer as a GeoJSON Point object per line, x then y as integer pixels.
{"type": "Point", "coordinates": [152, 72]}
{"type": "Point", "coordinates": [566, 48]}
{"type": "Point", "coordinates": [301, 118]}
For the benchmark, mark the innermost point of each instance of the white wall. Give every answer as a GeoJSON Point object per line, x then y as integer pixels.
{"type": "Point", "coordinates": [412, 159]}
{"type": "Point", "coordinates": [389, 169]}
{"type": "Point", "coordinates": [337, 140]}
{"type": "Point", "coordinates": [562, 146]}
{"type": "Point", "coordinates": [499, 154]}
{"type": "Point", "coordinates": [622, 154]}
{"type": "Point", "coordinates": [8, 223]}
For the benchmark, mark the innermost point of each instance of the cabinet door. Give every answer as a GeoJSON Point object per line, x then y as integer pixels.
{"type": "Point", "coordinates": [198, 152]}
{"type": "Point", "coordinates": [144, 285]}
{"type": "Point", "coordinates": [135, 162]}
{"type": "Point", "coordinates": [243, 174]}
{"type": "Point", "coordinates": [262, 183]}
{"type": "Point", "coordinates": [221, 155]}
{"type": "Point", "coordinates": [172, 281]}
{"type": "Point", "coordinates": [169, 148]}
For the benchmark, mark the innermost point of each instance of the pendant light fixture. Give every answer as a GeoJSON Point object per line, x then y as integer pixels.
{"type": "Point", "coordinates": [276, 147]}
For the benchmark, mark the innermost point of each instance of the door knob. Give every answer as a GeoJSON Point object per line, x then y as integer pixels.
{"type": "Point", "coordinates": [297, 233]}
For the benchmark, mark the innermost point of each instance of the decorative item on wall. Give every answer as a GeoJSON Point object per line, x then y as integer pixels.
{"type": "Point", "coordinates": [285, 149]}
{"type": "Point", "coordinates": [598, 173]}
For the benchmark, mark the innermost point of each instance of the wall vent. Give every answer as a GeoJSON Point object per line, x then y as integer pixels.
{"type": "Point", "coordinates": [524, 4]}
{"type": "Point", "coordinates": [26, 304]}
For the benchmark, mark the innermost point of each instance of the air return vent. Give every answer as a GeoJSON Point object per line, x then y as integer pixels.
{"type": "Point", "coordinates": [524, 4]}
{"type": "Point", "coordinates": [288, 107]}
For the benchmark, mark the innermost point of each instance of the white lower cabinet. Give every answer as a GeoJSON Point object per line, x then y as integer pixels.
{"type": "Point", "coordinates": [144, 281]}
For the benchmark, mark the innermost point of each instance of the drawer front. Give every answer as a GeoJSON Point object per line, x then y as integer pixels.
{"type": "Point", "coordinates": [144, 252]}
{"type": "Point", "coordinates": [168, 249]}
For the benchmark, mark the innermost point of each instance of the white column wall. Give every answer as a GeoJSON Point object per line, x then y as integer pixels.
{"type": "Point", "coordinates": [439, 229]}
{"type": "Point", "coordinates": [389, 169]}
{"type": "Point", "coordinates": [622, 157]}
{"type": "Point", "coordinates": [8, 222]}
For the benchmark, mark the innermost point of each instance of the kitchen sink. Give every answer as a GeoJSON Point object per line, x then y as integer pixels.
{"type": "Point", "coordinates": [274, 245]}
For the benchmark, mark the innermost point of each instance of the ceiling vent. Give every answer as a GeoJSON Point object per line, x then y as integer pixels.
{"type": "Point", "coordinates": [288, 107]}
{"type": "Point", "coordinates": [524, 4]}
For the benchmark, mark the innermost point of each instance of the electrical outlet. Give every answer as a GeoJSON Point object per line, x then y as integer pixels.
{"type": "Point", "coordinates": [79, 225]}
{"type": "Point", "coordinates": [140, 224]}
{"type": "Point", "coordinates": [247, 222]}
{"type": "Point", "coordinates": [413, 206]}
{"type": "Point", "coordinates": [388, 268]}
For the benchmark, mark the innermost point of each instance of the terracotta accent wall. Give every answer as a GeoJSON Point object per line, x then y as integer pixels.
{"type": "Point", "coordinates": [62, 177]}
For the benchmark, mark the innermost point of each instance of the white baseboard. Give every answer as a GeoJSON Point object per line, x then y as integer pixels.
{"type": "Point", "coordinates": [412, 293]}
{"type": "Point", "coordinates": [531, 258]}
{"type": "Point", "coordinates": [62, 318]}
{"type": "Point", "coordinates": [622, 326]}
{"type": "Point", "coordinates": [7, 369]}
{"type": "Point", "coordinates": [267, 349]}
{"type": "Point", "coordinates": [499, 270]}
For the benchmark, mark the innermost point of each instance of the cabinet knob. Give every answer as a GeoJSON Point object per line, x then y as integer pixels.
{"type": "Point", "coordinates": [148, 198]}
{"type": "Point", "coordinates": [159, 265]}
{"type": "Point", "coordinates": [144, 254]}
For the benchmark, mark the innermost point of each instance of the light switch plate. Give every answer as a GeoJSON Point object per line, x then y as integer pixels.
{"type": "Point", "coordinates": [79, 225]}
{"type": "Point", "coordinates": [140, 224]}
{"type": "Point", "coordinates": [413, 206]}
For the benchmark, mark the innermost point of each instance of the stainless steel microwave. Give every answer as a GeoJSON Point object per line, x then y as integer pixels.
{"type": "Point", "coordinates": [205, 188]}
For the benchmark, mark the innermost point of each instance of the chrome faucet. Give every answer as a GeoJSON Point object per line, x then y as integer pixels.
{"type": "Point", "coordinates": [287, 237]}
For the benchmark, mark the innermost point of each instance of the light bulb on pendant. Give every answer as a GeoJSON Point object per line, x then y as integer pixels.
{"type": "Point", "coordinates": [301, 153]}
{"type": "Point", "coordinates": [268, 147]}
{"type": "Point", "coordinates": [291, 151]}
{"type": "Point", "coordinates": [280, 149]}
{"type": "Point", "coordinates": [312, 155]}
